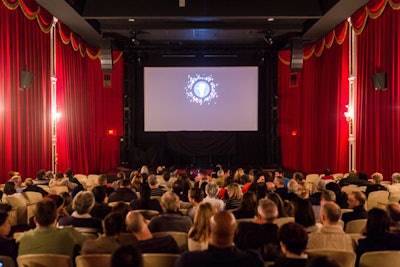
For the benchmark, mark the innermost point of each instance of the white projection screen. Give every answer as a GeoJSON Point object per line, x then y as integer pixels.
{"type": "Point", "coordinates": [200, 99]}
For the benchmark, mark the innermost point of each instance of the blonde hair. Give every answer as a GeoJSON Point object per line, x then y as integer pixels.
{"type": "Point", "coordinates": [377, 177]}
{"type": "Point", "coordinates": [200, 230]}
{"type": "Point", "coordinates": [236, 191]}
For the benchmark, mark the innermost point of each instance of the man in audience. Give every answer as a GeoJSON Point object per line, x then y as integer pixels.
{"type": "Point", "coordinates": [196, 196]}
{"type": "Point", "coordinates": [331, 235]}
{"type": "Point", "coordinates": [221, 249]}
{"type": "Point", "coordinates": [108, 242]}
{"type": "Point", "coordinates": [46, 238]}
{"type": "Point", "coordinates": [262, 233]}
{"type": "Point", "coordinates": [376, 184]}
{"type": "Point", "coordinates": [102, 181]}
{"type": "Point", "coordinates": [155, 188]}
{"type": "Point", "coordinates": [127, 256]}
{"type": "Point", "coordinates": [326, 196]}
{"type": "Point", "coordinates": [316, 197]}
{"type": "Point", "coordinates": [136, 224]}
{"type": "Point", "coordinates": [100, 209]}
{"type": "Point", "coordinates": [293, 187]}
{"type": "Point", "coordinates": [171, 219]}
{"type": "Point", "coordinates": [356, 202]}
{"type": "Point", "coordinates": [124, 193]}
{"type": "Point", "coordinates": [280, 188]}
{"type": "Point", "coordinates": [395, 186]}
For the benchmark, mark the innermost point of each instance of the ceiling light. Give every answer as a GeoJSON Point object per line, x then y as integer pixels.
{"type": "Point", "coordinates": [131, 20]}
{"type": "Point", "coordinates": [270, 19]}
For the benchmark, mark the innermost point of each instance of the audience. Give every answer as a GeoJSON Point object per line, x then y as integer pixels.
{"type": "Point", "coordinates": [234, 196]}
{"type": "Point", "coordinates": [199, 233]}
{"type": "Point", "coordinates": [30, 187]}
{"type": "Point", "coordinates": [221, 251]}
{"type": "Point", "coordinates": [100, 208]}
{"type": "Point", "coordinates": [304, 215]}
{"type": "Point", "coordinates": [124, 193]}
{"type": "Point", "coordinates": [136, 224]}
{"type": "Point", "coordinates": [102, 181]}
{"type": "Point", "coordinates": [280, 188]}
{"type": "Point", "coordinates": [127, 256]}
{"type": "Point", "coordinates": [171, 219]}
{"type": "Point", "coordinates": [211, 196]}
{"type": "Point", "coordinates": [155, 188]}
{"type": "Point", "coordinates": [247, 206]}
{"type": "Point", "coordinates": [279, 203]}
{"type": "Point", "coordinates": [8, 246]}
{"type": "Point", "coordinates": [46, 238]}
{"type": "Point", "coordinates": [356, 202]}
{"type": "Point", "coordinates": [376, 184]}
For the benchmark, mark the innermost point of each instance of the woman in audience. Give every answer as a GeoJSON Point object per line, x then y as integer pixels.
{"type": "Point", "coordinates": [234, 196]}
{"type": "Point", "coordinates": [123, 209]}
{"type": "Point", "coordinates": [8, 246]}
{"type": "Point", "coordinates": [279, 203]}
{"type": "Point", "coordinates": [293, 239]}
{"type": "Point", "coordinates": [9, 190]}
{"type": "Point", "coordinates": [378, 235]}
{"type": "Point", "coordinates": [58, 180]}
{"type": "Point", "coordinates": [376, 184]}
{"type": "Point", "coordinates": [304, 215]}
{"type": "Point", "coordinates": [247, 206]}
{"type": "Point", "coordinates": [136, 182]}
{"type": "Point", "coordinates": [200, 231]}
{"type": "Point", "coordinates": [67, 202]}
{"type": "Point", "coordinates": [238, 175]}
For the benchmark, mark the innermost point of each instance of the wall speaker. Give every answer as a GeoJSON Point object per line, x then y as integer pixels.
{"type": "Point", "coordinates": [25, 79]}
{"type": "Point", "coordinates": [106, 58]}
{"type": "Point", "coordinates": [379, 80]}
{"type": "Point", "coordinates": [296, 61]}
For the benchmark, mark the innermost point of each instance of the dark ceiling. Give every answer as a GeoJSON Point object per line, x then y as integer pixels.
{"type": "Point", "coordinates": [141, 24]}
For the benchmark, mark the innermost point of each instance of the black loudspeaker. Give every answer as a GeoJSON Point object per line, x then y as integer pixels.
{"type": "Point", "coordinates": [25, 79]}
{"type": "Point", "coordinates": [379, 80]}
{"type": "Point", "coordinates": [296, 61]}
{"type": "Point", "coordinates": [106, 58]}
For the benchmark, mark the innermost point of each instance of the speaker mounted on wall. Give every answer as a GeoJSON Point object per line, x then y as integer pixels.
{"type": "Point", "coordinates": [106, 58]}
{"type": "Point", "coordinates": [296, 61]}
{"type": "Point", "coordinates": [379, 80]}
{"type": "Point", "coordinates": [25, 79]}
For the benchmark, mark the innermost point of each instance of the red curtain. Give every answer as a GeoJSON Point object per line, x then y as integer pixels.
{"type": "Point", "coordinates": [25, 132]}
{"type": "Point", "coordinates": [91, 113]}
{"type": "Point", "coordinates": [311, 105]}
{"type": "Point", "coordinates": [377, 112]}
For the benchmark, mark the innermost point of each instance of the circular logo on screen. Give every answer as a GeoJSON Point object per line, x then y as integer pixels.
{"type": "Point", "coordinates": [200, 89]}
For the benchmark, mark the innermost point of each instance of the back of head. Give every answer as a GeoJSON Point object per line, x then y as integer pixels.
{"type": "Point", "coordinates": [127, 256]}
{"type": "Point", "coordinates": [360, 197]}
{"type": "Point", "coordinates": [321, 185]}
{"type": "Point", "coordinates": [9, 188]}
{"type": "Point", "coordinates": [69, 173]}
{"type": "Point", "coordinates": [267, 209]}
{"type": "Point", "coordinates": [152, 179]}
{"type": "Point", "coordinates": [298, 176]}
{"type": "Point", "coordinates": [294, 237]}
{"type": "Point", "coordinates": [134, 221]}
{"type": "Point", "coordinates": [328, 196]}
{"type": "Point", "coordinates": [41, 173]}
{"type": "Point", "coordinates": [83, 202]}
{"type": "Point", "coordinates": [293, 186]}
{"type": "Point", "coordinates": [378, 221]}
{"type": "Point", "coordinates": [99, 193]}
{"type": "Point", "coordinates": [220, 173]}
{"type": "Point", "coordinates": [3, 217]}
{"type": "Point", "coordinates": [396, 177]}
{"type": "Point", "coordinates": [170, 202]}
{"type": "Point", "coordinates": [249, 201]}
{"type": "Point", "coordinates": [125, 183]}
{"type": "Point", "coordinates": [222, 228]}
{"type": "Point", "coordinates": [28, 182]}
{"type": "Point", "coordinates": [333, 187]}
{"type": "Point", "coordinates": [113, 223]}
{"type": "Point", "coordinates": [331, 211]}
{"type": "Point", "coordinates": [304, 213]}
{"type": "Point", "coordinates": [212, 189]}
{"type": "Point", "coordinates": [377, 177]}
{"type": "Point", "coordinates": [46, 212]}
{"type": "Point", "coordinates": [327, 172]}
{"type": "Point", "coordinates": [196, 194]}
{"type": "Point", "coordinates": [393, 210]}
{"type": "Point", "coordinates": [102, 179]}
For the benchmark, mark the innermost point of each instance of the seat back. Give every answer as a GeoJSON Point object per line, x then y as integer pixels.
{"type": "Point", "coordinates": [20, 204]}
{"type": "Point", "coordinates": [56, 190]}
{"type": "Point", "coordinates": [355, 226]}
{"type": "Point", "coordinates": [33, 197]}
{"type": "Point", "coordinates": [180, 238]}
{"type": "Point", "coordinates": [148, 214]}
{"type": "Point", "coordinates": [377, 198]}
{"type": "Point", "coordinates": [93, 260]}
{"type": "Point", "coordinates": [380, 258]}
{"type": "Point", "coordinates": [159, 259]}
{"type": "Point", "coordinates": [44, 260]}
{"type": "Point", "coordinates": [7, 261]}
{"type": "Point", "coordinates": [282, 220]}
{"type": "Point", "coordinates": [344, 258]}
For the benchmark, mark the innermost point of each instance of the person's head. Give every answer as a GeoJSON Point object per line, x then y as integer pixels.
{"type": "Point", "coordinates": [59, 175]}
{"type": "Point", "coordinates": [396, 177]}
{"type": "Point", "coordinates": [166, 175]}
{"type": "Point", "coordinates": [321, 185]}
{"type": "Point", "coordinates": [220, 173]}
{"type": "Point", "coordinates": [201, 222]}
{"type": "Point", "coordinates": [41, 174]}
{"type": "Point", "coordinates": [319, 261]}
{"type": "Point", "coordinates": [212, 189]}
{"type": "Point", "coordinates": [5, 226]}
{"type": "Point", "coordinates": [17, 180]}
{"type": "Point", "coordinates": [356, 198]}
{"type": "Point", "coordinates": [102, 179]}
{"type": "Point", "coordinates": [67, 198]}
{"type": "Point", "coordinates": [144, 169]}
{"type": "Point", "coordinates": [178, 186]}
{"type": "Point", "coordinates": [127, 256]}
{"type": "Point", "coordinates": [99, 193]}
{"type": "Point", "coordinates": [267, 211]}
{"type": "Point", "coordinates": [378, 221]}
{"type": "Point", "coordinates": [293, 238]}
{"type": "Point", "coordinates": [120, 175]}
{"type": "Point", "coordinates": [69, 173]}
{"type": "Point", "coordinates": [234, 191]}
{"type": "Point", "coordinates": [222, 229]}
{"type": "Point", "coordinates": [330, 213]}
{"type": "Point", "coordinates": [377, 178]}
{"type": "Point", "coordinates": [327, 172]}
{"type": "Point", "coordinates": [249, 201]}
{"type": "Point", "coordinates": [121, 208]}
{"type": "Point", "coordinates": [279, 204]}
{"type": "Point", "coordinates": [279, 181]}
{"type": "Point", "coordinates": [304, 213]}
{"type": "Point", "coordinates": [333, 187]}
{"type": "Point", "coordinates": [152, 179]}
{"type": "Point", "coordinates": [196, 195]}
{"type": "Point", "coordinates": [83, 202]}
{"type": "Point", "coordinates": [28, 182]}
{"type": "Point", "coordinates": [327, 196]}
{"type": "Point", "coordinates": [278, 172]}
{"type": "Point", "coordinates": [134, 222]}
{"type": "Point", "coordinates": [124, 183]}
{"type": "Point", "coordinates": [293, 186]}
{"type": "Point", "coordinates": [393, 209]}
{"type": "Point", "coordinates": [260, 178]}
{"type": "Point", "coordinates": [49, 174]}
{"type": "Point", "coordinates": [45, 212]}
{"type": "Point", "coordinates": [9, 188]}
{"type": "Point", "coordinates": [170, 202]}
{"type": "Point", "coordinates": [57, 199]}
{"type": "Point", "coordinates": [112, 224]}
{"type": "Point", "coordinates": [298, 176]}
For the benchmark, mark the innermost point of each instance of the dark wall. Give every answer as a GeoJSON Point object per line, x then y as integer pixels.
{"type": "Point", "coordinates": [200, 149]}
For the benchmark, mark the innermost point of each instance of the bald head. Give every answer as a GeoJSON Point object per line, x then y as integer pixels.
{"type": "Point", "coordinates": [223, 228]}
{"type": "Point", "coordinates": [330, 213]}
{"type": "Point", "coordinates": [134, 221]}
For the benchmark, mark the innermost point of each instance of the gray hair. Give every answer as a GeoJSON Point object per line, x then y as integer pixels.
{"type": "Point", "coordinates": [152, 179]}
{"type": "Point", "coordinates": [396, 177]}
{"type": "Point", "coordinates": [267, 209]}
{"type": "Point", "coordinates": [293, 186]}
{"type": "Point", "coordinates": [212, 189]}
{"type": "Point", "coordinates": [83, 202]}
{"type": "Point", "coordinates": [328, 195]}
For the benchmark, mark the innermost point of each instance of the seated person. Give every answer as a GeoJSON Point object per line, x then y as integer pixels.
{"type": "Point", "coordinates": [124, 193]}
{"type": "Point", "coordinates": [108, 242]}
{"type": "Point", "coordinates": [127, 256]}
{"type": "Point", "coordinates": [59, 180]}
{"type": "Point", "coordinates": [136, 224]}
{"type": "Point", "coordinates": [100, 209]}
{"type": "Point", "coordinates": [8, 246]}
{"type": "Point", "coordinates": [102, 181]}
{"type": "Point", "coordinates": [356, 202]}
{"type": "Point", "coordinates": [81, 219]}
{"type": "Point", "coordinates": [211, 196]}
{"type": "Point", "coordinates": [31, 187]}
{"type": "Point", "coordinates": [376, 184]}
{"type": "Point", "coordinates": [46, 238]}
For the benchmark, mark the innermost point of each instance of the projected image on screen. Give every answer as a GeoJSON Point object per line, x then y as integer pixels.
{"type": "Point", "coordinates": [201, 89]}
{"type": "Point", "coordinates": [200, 99]}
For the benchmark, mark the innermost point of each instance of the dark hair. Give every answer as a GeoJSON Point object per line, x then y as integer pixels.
{"type": "Point", "coordinates": [249, 202]}
{"type": "Point", "coordinates": [378, 221]}
{"type": "Point", "coordinates": [127, 256]}
{"type": "Point", "coordinates": [99, 193]}
{"type": "Point", "coordinates": [197, 194]}
{"type": "Point", "coordinates": [304, 214]}
{"type": "Point", "coordinates": [294, 237]}
{"type": "Point", "coordinates": [3, 217]}
{"type": "Point", "coordinates": [363, 176]}
{"type": "Point", "coordinates": [333, 187]}
{"type": "Point", "coordinates": [166, 175]}
{"type": "Point", "coordinates": [41, 173]}
{"type": "Point", "coordinates": [125, 182]}
{"type": "Point", "coordinates": [327, 172]}
{"type": "Point", "coordinates": [69, 173]}
{"type": "Point", "coordinates": [279, 204]}
{"type": "Point", "coordinates": [9, 188]}
{"type": "Point", "coordinates": [113, 223]}
{"type": "Point", "coordinates": [46, 212]}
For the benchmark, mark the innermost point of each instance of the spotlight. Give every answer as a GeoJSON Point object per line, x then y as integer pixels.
{"type": "Point", "coordinates": [268, 38]}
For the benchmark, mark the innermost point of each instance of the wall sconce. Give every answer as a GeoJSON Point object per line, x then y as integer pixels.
{"type": "Point", "coordinates": [349, 114]}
